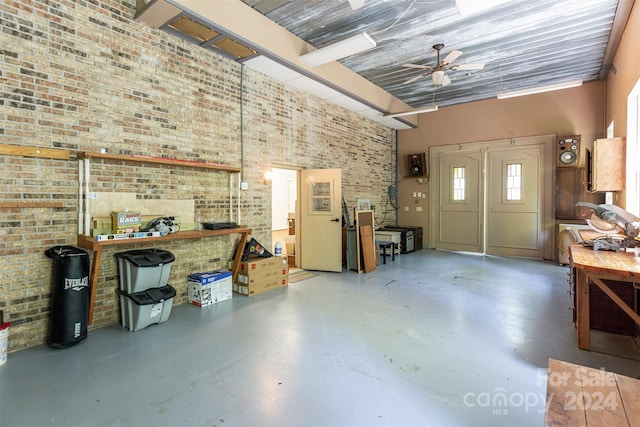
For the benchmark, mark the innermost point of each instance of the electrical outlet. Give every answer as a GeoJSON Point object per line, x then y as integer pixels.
{"type": "Point", "coordinates": [92, 195]}
{"type": "Point", "coordinates": [418, 208]}
{"type": "Point", "coordinates": [244, 186]}
{"type": "Point", "coordinates": [406, 208]}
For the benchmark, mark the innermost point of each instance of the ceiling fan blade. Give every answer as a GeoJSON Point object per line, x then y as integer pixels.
{"type": "Point", "coordinates": [453, 55]}
{"type": "Point", "coordinates": [470, 66]}
{"type": "Point", "coordinates": [411, 80]}
{"type": "Point", "coordinates": [421, 67]}
{"type": "Point", "coordinates": [446, 80]}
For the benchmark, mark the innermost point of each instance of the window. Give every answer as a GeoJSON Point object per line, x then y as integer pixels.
{"type": "Point", "coordinates": [514, 182]}
{"type": "Point", "coordinates": [459, 183]}
{"type": "Point", "coordinates": [320, 197]}
{"type": "Point", "coordinates": [633, 151]}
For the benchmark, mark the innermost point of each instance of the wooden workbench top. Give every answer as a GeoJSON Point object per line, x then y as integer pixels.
{"type": "Point", "coordinates": [625, 263]}
{"type": "Point", "coordinates": [582, 396]}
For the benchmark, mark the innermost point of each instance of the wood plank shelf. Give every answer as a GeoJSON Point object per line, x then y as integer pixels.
{"type": "Point", "coordinates": [45, 153]}
{"type": "Point", "coordinates": [32, 204]}
{"type": "Point", "coordinates": [90, 243]}
{"type": "Point", "coordinates": [158, 161]}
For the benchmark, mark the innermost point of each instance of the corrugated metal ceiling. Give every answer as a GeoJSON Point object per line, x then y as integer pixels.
{"type": "Point", "coordinates": [523, 43]}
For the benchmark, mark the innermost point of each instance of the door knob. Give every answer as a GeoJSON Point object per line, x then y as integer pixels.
{"type": "Point", "coordinates": [336, 220]}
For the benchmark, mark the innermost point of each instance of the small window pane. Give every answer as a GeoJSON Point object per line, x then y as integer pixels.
{"type": "Point", "coordinates": [320, 197]}
{"type": "Point", "coordinates": [514, 181]}
{"type": "Point", "coordinates": [459, 183]}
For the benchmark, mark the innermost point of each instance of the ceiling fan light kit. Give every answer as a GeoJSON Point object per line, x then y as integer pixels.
{"type": "Point", "coordinates": [540, 89]}
{"type": "Point", "coordinates": [438, 72]}
{"type": "Point", "coordinates": [342, 49]}
{"type": "Point", "coordinates": [430, 109]}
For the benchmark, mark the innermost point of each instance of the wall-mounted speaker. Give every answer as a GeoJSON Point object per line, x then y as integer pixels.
{"type": "Point", "coordinates": [417, 164]}
{"type": "Point", "coordinates": [568, 152]}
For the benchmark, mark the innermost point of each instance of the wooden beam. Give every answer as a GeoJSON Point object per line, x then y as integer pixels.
{"type": "Point", "coordinates": [47, 153]}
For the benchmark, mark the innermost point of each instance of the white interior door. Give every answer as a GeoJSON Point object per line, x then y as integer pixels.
{"type": "Point", "coordinates": [514, 207]}
{"type": "Point", "coordinates": [460, 202]}
{"type": "Point", "coordinates": [321, 219]}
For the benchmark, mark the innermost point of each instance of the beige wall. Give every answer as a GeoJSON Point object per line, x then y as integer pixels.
{"type": "Point", "coordinates": [621, 79]}
{"type": "Point", "coordinates": [572, 111]}
{"type": "Point", "coordinates": [624, 75]}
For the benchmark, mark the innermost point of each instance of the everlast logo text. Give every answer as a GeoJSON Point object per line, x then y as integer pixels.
{"type": "Point", "coordinates": [76, 284]}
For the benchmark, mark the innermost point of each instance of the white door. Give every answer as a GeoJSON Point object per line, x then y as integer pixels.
{"type": "Point", "coordinates": [460, 200]}
{"type": "Point", "coordinates": [514, 202]}
{"type": "Point", "coordinates": [321, 219]}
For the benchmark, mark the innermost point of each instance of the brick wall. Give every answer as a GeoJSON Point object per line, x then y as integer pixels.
{"type": "Point", "coordinates": [83, 75]}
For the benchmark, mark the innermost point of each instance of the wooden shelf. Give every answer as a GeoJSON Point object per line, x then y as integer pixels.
{"type": "Point", "coordinates": [89, 243]}
{"type": "Point", "coordinates": [32, 204]}
{"type": "Point", "coordinates": [158, 161]}
{"type": "Point", "coordinates": [46, 153]}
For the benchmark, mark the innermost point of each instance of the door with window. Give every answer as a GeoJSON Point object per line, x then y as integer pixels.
{"type": "Point", "coordinates": [459, 225]}
{"type": "Point", "coordinates": [514, 208]}
{"type": "Point", "coordinates": [321, 219]}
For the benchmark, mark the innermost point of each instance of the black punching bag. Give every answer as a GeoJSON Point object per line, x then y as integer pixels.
{"type": "Point", "coordinates": [69, 296]}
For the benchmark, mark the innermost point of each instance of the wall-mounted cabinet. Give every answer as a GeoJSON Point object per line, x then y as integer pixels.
{"type": "Point", "coordinates": [571, 188]}
{"type": "Point", "coordinates": [606, 165]}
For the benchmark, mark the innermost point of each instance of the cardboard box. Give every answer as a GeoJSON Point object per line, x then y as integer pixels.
{"type": "Point", "coordinates": [209, 288]}
{"type": "Point", "coordinates": [259, 275]}
{"type": "Point", "coordinates": [125, 222]}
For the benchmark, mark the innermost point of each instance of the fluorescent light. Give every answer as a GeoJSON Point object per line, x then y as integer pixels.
{"type": "Point", "coordinates": [408, 113]}
{"type": "Point", "coordinates": [540, 89]}
{"type": "Point", "coordinates": [471, 7]}
{"type": "Point", "coordinates": [347, 47]}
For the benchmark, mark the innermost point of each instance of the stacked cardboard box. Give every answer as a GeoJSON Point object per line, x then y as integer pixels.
{"type": "Point", "coordinates": [261, 275]}
{"type": "Point", "coordinates": [208, 288]}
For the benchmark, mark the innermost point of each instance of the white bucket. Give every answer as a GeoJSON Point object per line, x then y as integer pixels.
{"type": "Point", "coordinates": [4, 342]}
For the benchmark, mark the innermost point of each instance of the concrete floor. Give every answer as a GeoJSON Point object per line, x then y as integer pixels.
{"type": "Point", "coordinates": [432, 339]}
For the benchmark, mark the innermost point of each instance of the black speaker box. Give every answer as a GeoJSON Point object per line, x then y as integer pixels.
{"type": "Point", "coordinates": [417, 164]}
{"type": "Point", "coordinates": [568, 152]}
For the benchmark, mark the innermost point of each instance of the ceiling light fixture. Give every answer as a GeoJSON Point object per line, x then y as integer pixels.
{"type": "Point", "coordinates": [430, 109]}
{"type": "Point", "coordinates": [342, 49]}
{"type": "Point", "coordinates": [437, 77]}
{"type": "Point", "coordinates": [540, 89]}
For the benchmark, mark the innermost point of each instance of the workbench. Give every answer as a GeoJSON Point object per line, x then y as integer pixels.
{"type": "Point", "coordinates": [582, 396]}
{"type": "Point", "coordinates": [90, 243]}
{"type": "Point", "coordinates": [594, 267]}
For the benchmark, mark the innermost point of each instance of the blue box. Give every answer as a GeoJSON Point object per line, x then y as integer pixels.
{"type": "Point", "coordinates": [208, 288]}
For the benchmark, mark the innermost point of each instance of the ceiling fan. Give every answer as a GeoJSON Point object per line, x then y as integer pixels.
{"type": "Point", "coordinates": [439, 71]}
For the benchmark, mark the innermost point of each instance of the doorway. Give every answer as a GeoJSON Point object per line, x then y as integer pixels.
{"type": "Point", "coordinates": [493, 197]}
{"type": "Point", "coordinates": [284, 190]}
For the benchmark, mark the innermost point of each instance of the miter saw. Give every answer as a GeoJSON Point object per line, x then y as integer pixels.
{"type": "Point", "coordinates": [619, 227]}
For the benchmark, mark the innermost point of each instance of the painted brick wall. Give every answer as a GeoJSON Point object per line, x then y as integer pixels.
{"type": "Point", "coordinates": [83, 75]}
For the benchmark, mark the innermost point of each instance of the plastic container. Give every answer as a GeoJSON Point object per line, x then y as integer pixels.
{"type": "Point", "coordinates": [142, 309]}
{"type": "Point", "coordinates": [142, 269]}
{"type": "Point", "coordinates": [277, 249]}
{"type": "Point", "coordinates": [4, 342]}
{"type": "Point", "coordinates": [69, 296]}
